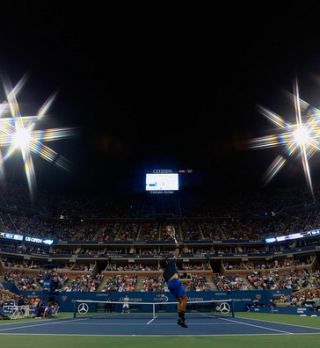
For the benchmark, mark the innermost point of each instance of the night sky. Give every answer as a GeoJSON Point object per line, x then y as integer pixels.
{"type": "Point", "coordinates": [162, 88]}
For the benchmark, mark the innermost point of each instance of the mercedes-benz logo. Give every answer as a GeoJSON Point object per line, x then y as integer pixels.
{"type": "Point", "coordinates": [224, 307]}
{"type": "Point", "coordinates": [83, 308]}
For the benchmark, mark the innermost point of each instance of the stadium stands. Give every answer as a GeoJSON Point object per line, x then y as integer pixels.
{"type": "Point", "coordinates": [119, 248]}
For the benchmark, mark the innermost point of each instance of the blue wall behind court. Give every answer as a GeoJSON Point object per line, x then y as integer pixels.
{"type": "Point", "coordinates": [241, 298]}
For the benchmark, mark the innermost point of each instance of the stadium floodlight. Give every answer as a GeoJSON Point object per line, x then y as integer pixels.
{"type": "Point", "coordinates": [22, 138]}
{"type": "Point", "coordinates": [301, 135]}
{"type": "Point", "coordinates": [301, 138]}
{"type": "Point", "coordinates": [17, 132]}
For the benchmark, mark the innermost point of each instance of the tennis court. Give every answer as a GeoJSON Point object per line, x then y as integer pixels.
{"type": "Point", "coordinates": [128, 326]}
{"type": "Point", "coordinates": [255, 331]}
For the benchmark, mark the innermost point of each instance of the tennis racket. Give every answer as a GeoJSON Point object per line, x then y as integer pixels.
{"type": "Point", "coordinates": [172, 233]}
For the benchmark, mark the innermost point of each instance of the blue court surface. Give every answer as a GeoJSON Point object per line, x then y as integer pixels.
{"type": "Point", "coordinates": [156, 327]}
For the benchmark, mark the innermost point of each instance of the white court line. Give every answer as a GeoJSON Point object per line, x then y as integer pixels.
{"type": "Point", "coordinates": [258, 326]}
{"type": "Point", "coordinates": [143, 324]}
{"type": "Point", "coordinates": [25, 321]}
{"type": "Point", "coordinates": [150, 321]}
{"type": "Point", "coordinates": [279, 322]}
{"type": "Point", "coordinates": [164, 335]}
{"type": "Point", "coordinates": [35, 325]}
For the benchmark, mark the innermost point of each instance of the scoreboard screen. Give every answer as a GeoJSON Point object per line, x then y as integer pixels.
{"type": "Point", "coordinates": [162, 182]}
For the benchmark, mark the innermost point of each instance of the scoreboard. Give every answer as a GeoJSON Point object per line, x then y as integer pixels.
{"type": "Point", "coordinates": [162, 182]}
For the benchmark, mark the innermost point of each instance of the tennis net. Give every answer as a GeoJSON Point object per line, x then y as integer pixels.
{"type": "Point", "coordinates": [144, 310]}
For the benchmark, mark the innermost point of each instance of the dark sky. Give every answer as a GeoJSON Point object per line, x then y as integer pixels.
{"type": "Point", "coordinates": [162, 87]}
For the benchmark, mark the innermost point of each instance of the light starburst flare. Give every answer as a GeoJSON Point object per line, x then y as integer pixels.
{"type": "Point", "coordinates": [301, 138]}
{"type": "Point", "coordinates": [18, 133]}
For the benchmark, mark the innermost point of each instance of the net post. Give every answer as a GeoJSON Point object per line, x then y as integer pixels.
{"type": "Point", "coordinates": [75, 309]}
{"type": "Point", "coordinates": [232, 308]}
{"type": "Point", "coordinates": [153, 311]}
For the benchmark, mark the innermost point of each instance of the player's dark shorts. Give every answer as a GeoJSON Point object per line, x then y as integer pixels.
{"type": "Point", "coordinates": [176, 288]}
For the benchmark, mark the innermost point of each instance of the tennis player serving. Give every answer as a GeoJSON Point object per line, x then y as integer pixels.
{"type": "Point", "coordinates": [175, 286]}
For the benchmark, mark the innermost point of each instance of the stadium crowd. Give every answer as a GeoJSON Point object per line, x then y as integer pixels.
{"type": "Point", "coordinates": [114, 224]}
{"type": "Point", "coordinates": [195, 282]}
{"type": "Point", "coordinates": [132, 267]}
{"type": "Point", "coordinates": [86, 219]}
{"type": "Point", "coordinates": [275, 264]}
{"type": "Point", "coordinates": [230, 283]}
{"type": "Point", "coordinates": [54, 281]}
{"type": "Point", "coordinates": [120, 283]}
{"type": "Point", "coordinates": [153, 283]}
{"type": "Point", "coordinates": [293, 280]}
